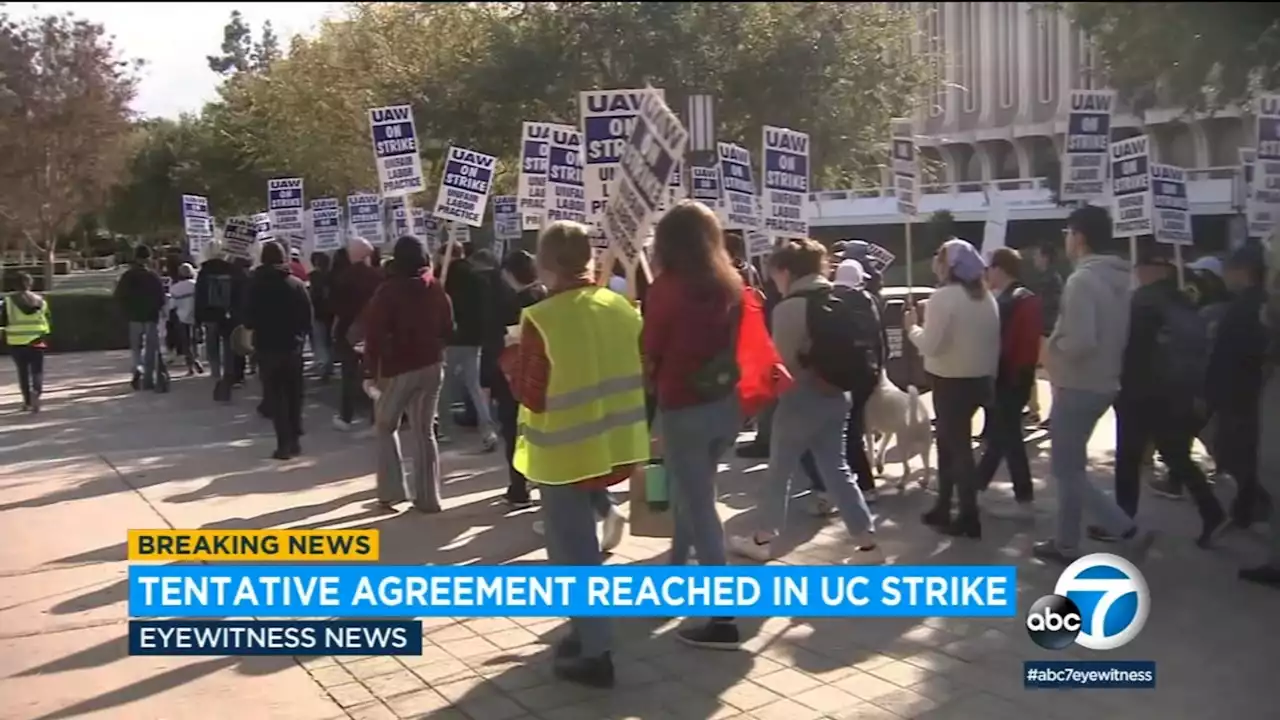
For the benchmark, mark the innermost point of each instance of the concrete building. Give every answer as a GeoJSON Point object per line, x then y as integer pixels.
{"type": "Point", "coordinates": [996, 115]}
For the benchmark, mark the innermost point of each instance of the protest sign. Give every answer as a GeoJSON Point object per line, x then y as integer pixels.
{"type": "Point", "coordinates": [239, 235]}
{"type": "Point", "coordinates": [506, 217]}
{"type": "Point", "coordinates": [903, 164]}
{"type": "Point", "coordinates": [608, 118]}
{"type": "Point", "coordinates": [196, 222]}
{"type": "Point", "coordinates": [647, 160]}
{"type": "Point", "coordinates": [1130, 188]}
{"type": "Point", "coordinates": [994, 229]}
{"type": "Point", "coordinates": [759, 243]}
{"type": "Point", "coordinates": [1171, 210]}
{"type": "Point", "coordinates": [879, 258]}
{"type": "Point", "coordinates": [285, 207]}
{"type": "Point", "coordinates": [459, 233]}
{"type": "Point", "coordinates": [464, 186]}
{"type": "Point", "coordinates": [785, 191]}
{"type": "Point", "coordinates": [676, 189]}
{"type": "Point", "coordinates": [705, 186]}
{"type": "Point", "coordinates": [1259, 219]}
{"type": "Point", "coordinates": [364, 211]}
{"type": "Point", "coordinates": [262, 226]}
{"type": "Point", "coordinates": [566, 198]}
{"type": "Point", "coordinates": [397, 217]}
{"type": "Point", "coordinates": [738, 187]}
{"type": "Point", "coordinates": [1084, 152]}
{"type": "Point", "coordinates": [326, 224]}
{"type": "Point", "coordinates": [535, 152]}
{"type": "Point", "coordinates": [433, 228]}
{"type": "Point", "coordinates": [395, 149]}
{"type": "Point", "coordinates": [1266, 167]}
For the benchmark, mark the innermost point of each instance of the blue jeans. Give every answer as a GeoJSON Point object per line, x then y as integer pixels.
{"type": "Point", "coordinates": [809, 419]}
{"type": "Point", "coordinates": [462, 368]}
{"type": "Point", "coordinates": [570, 513]}
{"type": "Point", "coordinates": [144, 348]}
{"type": "Point", "coordinates": [693, 441]}
{"type": "Point", "coordinates": [1073, 417]}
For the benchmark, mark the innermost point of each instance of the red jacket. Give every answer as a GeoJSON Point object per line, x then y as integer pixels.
{"type": "Point", "coordinates": [352, 288]}
{"type": "Point", "coordinates": [407, 324]}
{"type": "Point", "coordinates": [683, 331]}
{"type": "Point", "coordinates": [1021, 321]}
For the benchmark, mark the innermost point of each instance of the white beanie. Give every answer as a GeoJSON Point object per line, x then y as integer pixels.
{"type": "Point", "coordinates": [850, 274]}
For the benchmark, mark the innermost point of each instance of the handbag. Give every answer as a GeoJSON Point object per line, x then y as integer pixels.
{"type": "Point", "coordinates": [719, 376]}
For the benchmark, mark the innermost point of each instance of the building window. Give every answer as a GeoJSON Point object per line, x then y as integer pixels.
{"type": "Point", "coordinates": [1046, 54]}
{"type": "Point", "coordinates": [1087, 63]}
{"type": "Point", "coordinates": [935, 47]}
{"type": "Point", "coordinates": [1007, 52]}
{"type": "Point", "coordinates": [970, 49]}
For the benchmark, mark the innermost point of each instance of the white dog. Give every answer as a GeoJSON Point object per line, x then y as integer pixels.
{"type": "Point", "coordinates": [896, 413]}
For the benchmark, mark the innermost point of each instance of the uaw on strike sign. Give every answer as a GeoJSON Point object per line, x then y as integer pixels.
{"type": "Point", "coordinates": [648, 158]}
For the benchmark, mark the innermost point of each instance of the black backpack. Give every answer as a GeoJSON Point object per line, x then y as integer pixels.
{"type": "Point", "coordinates": [845, 347]}
{"type": "Point", "coordinates": [218, 292]}
{"type": "Point", "coordinates": [1182, 349]}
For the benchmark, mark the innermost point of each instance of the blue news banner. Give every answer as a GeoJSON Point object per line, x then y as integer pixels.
{"type": "Point", "coordinates": [347, 591]}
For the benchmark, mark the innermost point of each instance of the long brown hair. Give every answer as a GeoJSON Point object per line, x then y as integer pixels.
{"type": "Point", "coordinates": [689, 242]}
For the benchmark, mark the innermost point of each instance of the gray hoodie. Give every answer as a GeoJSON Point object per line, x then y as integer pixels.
{"type": "Point", "coordinates": [1086, 348]}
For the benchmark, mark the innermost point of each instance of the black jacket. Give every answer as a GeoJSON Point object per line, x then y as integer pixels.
{"type": "Point", "coordinates": [471, 292]}
{"type": "Point", "coordinates": [319, 284]}
{"type": "Point", "coordinates": [278, 310]}
{"type": "Point", "coordinates": [1048, 286]}
{"type": "Point", "coordinates": [1234, 382]}
{"type": "Point", "coordinates": [1146, 318]}
{"type": "Point", "coordinates": [220, 292]}
{"type": "Point", "coordinates": [140, 293]}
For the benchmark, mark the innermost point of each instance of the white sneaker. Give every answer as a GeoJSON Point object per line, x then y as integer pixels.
{"type": "Point", "coordinates": [821, 506]}
{"type": "Point", "coordinates": [611, 530]}
{"type": "Point", "coordinates": [341, 425]}
{"type": "Point", "coordinates": [748, 547]}
{"type": "Point", "coordinates": [489, 442]}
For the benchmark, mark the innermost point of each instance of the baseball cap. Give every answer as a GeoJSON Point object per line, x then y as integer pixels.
{"type": "Point", "coordinates": [1208, 264]}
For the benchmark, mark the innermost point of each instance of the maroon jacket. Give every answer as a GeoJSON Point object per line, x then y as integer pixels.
{"type": "Point", "coordinates": [683, 331]}
{"type": "Point", "coordinates": [353, 286]}
{"type": "Point", "coordinates": [407, 324]}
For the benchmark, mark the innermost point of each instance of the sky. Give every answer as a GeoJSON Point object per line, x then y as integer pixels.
{"type": "Point", "coordinates": [175, 37]}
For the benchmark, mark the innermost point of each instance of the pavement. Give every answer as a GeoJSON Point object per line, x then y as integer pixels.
{"type": "Point", "coordinates": [100, 460]}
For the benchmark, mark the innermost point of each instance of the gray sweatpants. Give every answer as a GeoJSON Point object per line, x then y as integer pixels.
{"type": "Point", "coordinates": [416, 393]}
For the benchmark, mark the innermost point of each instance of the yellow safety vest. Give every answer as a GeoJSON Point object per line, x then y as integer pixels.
{"type": "Point", "coordinates": [25, 328]}
{"type": "Point", "coordinates": [595, 412]}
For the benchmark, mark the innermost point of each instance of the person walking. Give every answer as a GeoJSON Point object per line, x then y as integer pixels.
{"type": "Point", "coordinates": [577, 374]}
{"type": "Point", "coordinates": [691, 321]}
{"type": "Point", "coordinates": [960, 344]}
{"type": "Point", "coordinates": [1268, 572]}
{"type": "Point", "coordinates": [279, 314]}
{"type": "Point", "coordinates": [353, 285]}
{"type": "Point", "coordinates": [1046, 283]}
{"type": "Point", "coordinates": [407, 324]}
{"type": "Point", "coordinates": [218, 307]}
{"type": "Point", "coordinates": [520, 274]}
{"type": "Point", "coordinates": [472, 306]}
{"type": "Point", "coordinates": [1021, 316]}
{"type": "Point", "coordinates": [1085, 356]}
{"type": "Point", "coordinates": [1160, 403]}
{"type": "Point", "coordinates": [183, 295]}
{"type": "Point", "coordinates": [141, 295]}
{"type": "Point", "coordinates": [25, 318]}
{"type": "Point", "coordinates": [320, 287]}
{"type": "Point", "coordinates": [810, 416]}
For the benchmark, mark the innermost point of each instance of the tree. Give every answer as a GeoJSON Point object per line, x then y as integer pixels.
{"type": "Point", "coordinates": [267, 49]}
{"type": "Point", "coordinates": [64, 119]}
{"type": "Point", "coordinates": [237, 47]}
{"type": "Point", "coordinates": [1194, 54]}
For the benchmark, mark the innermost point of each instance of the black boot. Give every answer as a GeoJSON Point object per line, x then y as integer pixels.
{"type": "Point", "coordinates": [596, 672]}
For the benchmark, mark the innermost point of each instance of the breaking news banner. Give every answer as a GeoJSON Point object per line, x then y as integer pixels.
{"type": "Point", "coordinates": [649, 156]}
{"type": "Point", "coordinates": [1171, 211]}
{"type": "Point", "coordinates": [395, 149]}
{"type": "Point", "coordinates": [565, 194]}
{"type": "Point", "coordinates": [906, 171]}
{"type": "Point", "coordinates": [607, 119]}
{"type": "Point", "coordinates": [1266, 166]}
{"type": "Point", "coordinates": [785, 186]}
{"type": "Point", "coordinates": [506, 218]}
{"type": "Point", "coordinates": [364, 213]}
{"type": "Point", "coordinates": [1084, 153]}
{"type": "Point", "coordinates": [239, 235]}
{"type": "Point", "coordinates": [285, 206]}
{"type": "Point", "coordinates": [464, 186]}
{"type": "Point", "coordinates": [1130, 188]}
{"type": "Point", "coordinates": [384, 591]}
{"type": "Point", "coordinates": [705, 186]}
{"type": "Point", "coordinates": [531, 189]}
{"type": "Point", "coordinates": [741, 211]}
{"type": "Point", "coordinates": [326, 224]}
{"type": "Point", "coordinates": [255, 545]}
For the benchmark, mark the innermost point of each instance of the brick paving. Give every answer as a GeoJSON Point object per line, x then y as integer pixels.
{"type": "Point", "coordinates": [1213, 638]}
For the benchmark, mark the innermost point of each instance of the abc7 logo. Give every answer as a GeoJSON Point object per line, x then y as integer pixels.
{"type": "Point", "coordinates": [1100, 602]}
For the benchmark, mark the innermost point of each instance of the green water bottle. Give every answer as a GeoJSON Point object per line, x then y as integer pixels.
{"type": "Point", "coordinates": [655, 486]}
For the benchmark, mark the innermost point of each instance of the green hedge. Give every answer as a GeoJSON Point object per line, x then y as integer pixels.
{"type": "Point", "coordinates": [86, 320]}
